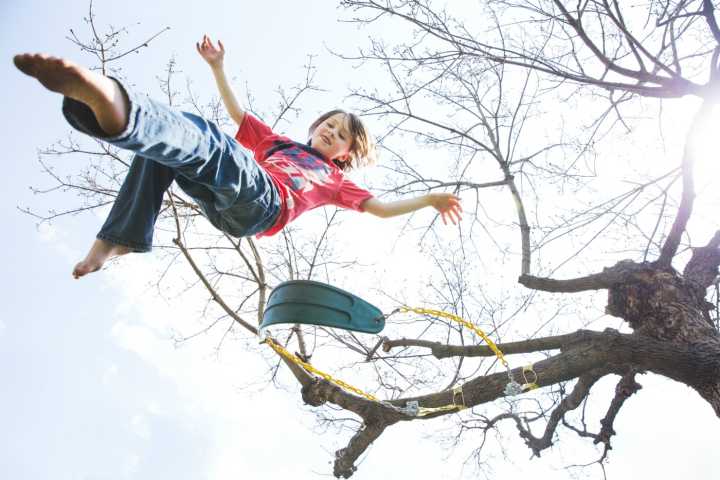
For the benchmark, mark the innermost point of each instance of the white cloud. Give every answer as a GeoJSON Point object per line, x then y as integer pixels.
{"type": "Point", "coordinates": [109, 375]}
{"type": "Point", "coordinates": [131, 464]}
{"type": "Point", "coordinates": [48, 232]}
{"type": "Point", "coordinates": [155, 408]}
{"type": "Point", "coordinates": [140, 427]}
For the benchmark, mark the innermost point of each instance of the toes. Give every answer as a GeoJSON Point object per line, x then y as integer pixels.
{"type": "Point", "coordinates": [78, 271]}
{"type": "Point", "coordinates": [23, 62]}
{"type": "Point", "coordinates": [83, 268]}
{"type": "Point", "coordinates": [30, 63]}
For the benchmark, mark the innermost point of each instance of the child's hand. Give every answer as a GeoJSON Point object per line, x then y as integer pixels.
{"type": "Point", "coordinates": [213, 56]}
{"type": "Point", "coordinates": [448, 205]}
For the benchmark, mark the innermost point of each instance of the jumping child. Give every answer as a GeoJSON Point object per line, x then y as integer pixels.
{"type": "Point", "coordinates": [239, 194]}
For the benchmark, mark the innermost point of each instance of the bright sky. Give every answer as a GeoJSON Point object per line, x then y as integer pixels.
{"type": "Point", "coordinates": [93, 385]}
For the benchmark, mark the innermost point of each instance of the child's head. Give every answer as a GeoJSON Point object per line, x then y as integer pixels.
{"type": "Point", "coordinates": [342, 137]}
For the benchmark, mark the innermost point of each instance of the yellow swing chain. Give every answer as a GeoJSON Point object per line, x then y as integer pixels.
{"type": "Point", "coordinates": [463, 322]}
{"type": "Point", "coordinates": [513, 387]}
{"type": "Point", "coordinates": [294, 359]}
{"type": "Point", "coordinates": [413, 408]}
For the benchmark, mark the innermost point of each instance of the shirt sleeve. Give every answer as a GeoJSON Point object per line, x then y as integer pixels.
{"type": "Point", "coordinates": [251, 132]}
{"type": "Point", "coordinates": [351, 196]}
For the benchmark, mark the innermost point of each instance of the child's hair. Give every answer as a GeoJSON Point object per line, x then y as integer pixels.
{"type": "Point", "coordinates": [362, 145]}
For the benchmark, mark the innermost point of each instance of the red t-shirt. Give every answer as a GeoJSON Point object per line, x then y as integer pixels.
{"type": "Point", "coordinates": [304, 178]}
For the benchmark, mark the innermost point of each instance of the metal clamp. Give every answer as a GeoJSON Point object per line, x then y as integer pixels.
{"type": "Point", "coordinates": [412, 408]}
{"type": "Point", "coordinates": [515, 388]}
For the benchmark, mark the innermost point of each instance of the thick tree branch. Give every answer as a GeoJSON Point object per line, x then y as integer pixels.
{"type": "Point", "coordinates": [693, 364]}
{"type": "Point", "coordinates": [610, 276]}
{"type": "Point", "coordinates": [442, 350]}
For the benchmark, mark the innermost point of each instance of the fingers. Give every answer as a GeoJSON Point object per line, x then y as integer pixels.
{"type": "Point", "coordinates": [450, 209]}
{"type": "Point", "coordinates": [452, 214]}
{"type": "Point", "coordinates": [208, 51]}
{"type": "Point", "coordinates": [448, 205]}
{"type": "Point", "coordinates": [444, 215]}
{"type": "Point", "coordinates": [205, 44]}
{"type": "Point", "coordinates": [456, 216]}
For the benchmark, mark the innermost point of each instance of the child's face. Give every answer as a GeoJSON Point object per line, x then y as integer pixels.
{"type": "Point", "coordinates": [332, 138]}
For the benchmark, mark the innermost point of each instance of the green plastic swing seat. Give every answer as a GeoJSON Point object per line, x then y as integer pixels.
{"type": "Point", "coordinates": [315, 303]}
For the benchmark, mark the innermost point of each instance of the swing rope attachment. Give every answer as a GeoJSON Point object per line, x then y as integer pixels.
{"type": "Point", "coordinates": [515, 388]}
{"type": "Point", "coordinates": [412, 408]}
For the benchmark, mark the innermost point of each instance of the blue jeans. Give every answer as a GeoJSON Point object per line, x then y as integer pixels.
{"type": "Point", "coordinates": [233, 191]}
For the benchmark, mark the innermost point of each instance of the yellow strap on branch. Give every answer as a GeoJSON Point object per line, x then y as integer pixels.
{"type": "Point", "coordinates": [456, 391]}
{"type": "Point", "coordinates": [530, 383]}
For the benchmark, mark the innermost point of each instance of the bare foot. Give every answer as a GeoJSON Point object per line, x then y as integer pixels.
{"type": "Point", "coordinates": [99, 253]}
{"type": "Point", "coordinates": [103, 95]}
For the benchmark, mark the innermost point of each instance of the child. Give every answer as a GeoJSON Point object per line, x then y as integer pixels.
{"type": "Point", "coordinates": [239, 195]}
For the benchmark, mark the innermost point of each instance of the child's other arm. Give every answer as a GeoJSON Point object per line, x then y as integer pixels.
{"type": "Point", "coordinates": [214, 56]}
{"type": "Point", "coordinates": [447, 204]}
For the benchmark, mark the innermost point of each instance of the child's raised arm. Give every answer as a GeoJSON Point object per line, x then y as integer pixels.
{"type": "Point", "coordinates": [214, 56]}
{"type": "Point", "coordinates": [447, 204]}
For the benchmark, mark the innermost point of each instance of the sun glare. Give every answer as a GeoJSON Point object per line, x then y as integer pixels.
{"type": "Point", "coordinates": [705, 146]}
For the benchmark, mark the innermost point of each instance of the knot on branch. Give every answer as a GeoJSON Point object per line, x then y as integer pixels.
{"type": "Point", "coordinates": [317, 392]}
{"type": "Point", "coordinates": [667, 323]}
{"type": "Point", "coordinates": [657, 302]}
{"type": "Point", "coordinates": [641, 296]}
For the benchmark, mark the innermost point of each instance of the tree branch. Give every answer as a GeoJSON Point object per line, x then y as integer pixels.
{"type": "Point", "coordinates": [625, 388]}
{"type": "Point", "coordinates": [345, 457]}
{"type": "Point", "coordinates": [571, 402]}
{"type": "Point", "coordinates": [688, 195]}
{"type": "Point", "coordinates": [708, 12]}
{"type": "Point", "coordinates": [442, 350]}
{"type": "Point", "coordinates": [610, 276]}
{"type": "Point", "coordinates": [702, 268]}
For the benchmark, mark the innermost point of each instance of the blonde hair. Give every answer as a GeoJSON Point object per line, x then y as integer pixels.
{"type": "Point", "coordinates": [362, 145]}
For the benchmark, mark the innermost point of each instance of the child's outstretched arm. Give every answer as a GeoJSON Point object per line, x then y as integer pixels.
{"type": "Point", "coordinates": [215, 56]}
{"type": "Point", "coordinates": [447, 204]}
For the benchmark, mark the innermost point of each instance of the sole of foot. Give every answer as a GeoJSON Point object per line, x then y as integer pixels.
{"type": "Point", "coordinates": [67, 78]}
{"type": "Point", "coordinates": [99, 253]}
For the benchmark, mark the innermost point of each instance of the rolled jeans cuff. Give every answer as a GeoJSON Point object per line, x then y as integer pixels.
{"type": "Point", "coordinates": [82, 118]}
{"type": "Point", "coordinates": [133, 246]}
